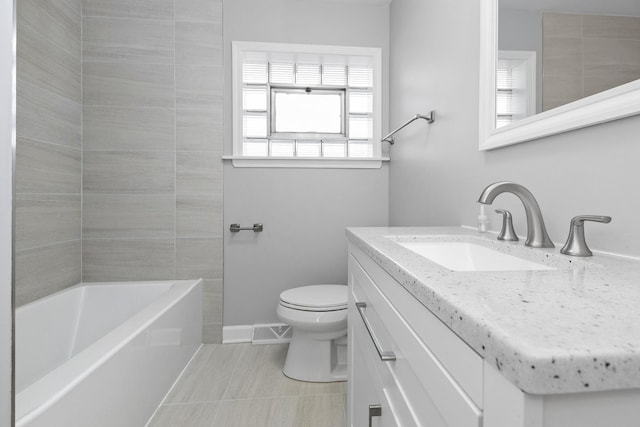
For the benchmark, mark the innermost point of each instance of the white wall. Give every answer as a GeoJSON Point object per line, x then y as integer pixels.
{"type": "Point", "coordinates": [304, 211]}
{"type": "Point", "coordinates": [437, 174]}
{"type": "Point", "coordinates": [7, 122]}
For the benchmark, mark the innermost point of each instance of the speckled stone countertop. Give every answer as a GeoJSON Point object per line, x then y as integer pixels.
{"type": "Point", "coordinates": [573, 329]}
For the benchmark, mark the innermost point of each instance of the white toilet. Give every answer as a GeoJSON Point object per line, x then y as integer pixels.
{"type": "Point", "coordinates": [318, 317]}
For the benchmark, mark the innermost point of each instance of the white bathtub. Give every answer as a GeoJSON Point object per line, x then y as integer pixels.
{"type": "Point", "coordinates": [104, 354]}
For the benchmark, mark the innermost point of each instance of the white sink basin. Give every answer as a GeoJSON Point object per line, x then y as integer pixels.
{"type": "Point", "coordinates": [464, 256]}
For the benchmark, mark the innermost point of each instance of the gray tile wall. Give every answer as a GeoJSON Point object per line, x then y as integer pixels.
{"type": "Point", "coordinates": [152, 144]}
{"type": "Point", "coordinates": [48, 158]}
{"type": "Point", "coordinates": [587, 54]}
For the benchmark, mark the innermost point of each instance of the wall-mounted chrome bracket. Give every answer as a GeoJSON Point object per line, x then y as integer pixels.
{"type": "Point", "coordinates": [430, 119]}
{"type": "Point", "coordinates": [234, 228]}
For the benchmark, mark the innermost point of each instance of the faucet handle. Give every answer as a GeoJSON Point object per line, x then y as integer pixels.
{"type": "Point", "coordinates": [507, 233]}
{"type": "Point", "coordinates": [576, 244]}
{"type": "Point", "coordinates": [580, 219]}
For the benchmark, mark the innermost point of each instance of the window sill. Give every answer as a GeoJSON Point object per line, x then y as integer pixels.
{"type": "Point", "coordinates": [318, 163]}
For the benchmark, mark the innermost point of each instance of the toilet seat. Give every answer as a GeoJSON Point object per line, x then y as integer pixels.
{"type": "Point", "coordinates": [315, 298]}
{"type": "Point", "coordinates": [307, 308]}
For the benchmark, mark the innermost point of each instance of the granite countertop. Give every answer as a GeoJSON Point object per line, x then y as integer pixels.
{"type": "Point", "coordinates": [572, 329]}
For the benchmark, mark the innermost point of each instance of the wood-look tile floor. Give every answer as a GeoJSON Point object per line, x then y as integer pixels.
{"type": "Point", "coordinates": [242, 385]}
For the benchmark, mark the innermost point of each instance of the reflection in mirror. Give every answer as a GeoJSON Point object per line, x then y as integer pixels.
{"type": "Point", "coordinates": [552, 66]}
{"type": "Point", "coordinates": [515, 86]}
{"type": "Point", "coordinates": [582, 48]}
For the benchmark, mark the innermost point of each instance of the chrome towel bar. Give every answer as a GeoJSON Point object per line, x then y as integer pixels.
{"type": "Point", "coordinates": [234, 228]}
{"type": "Point", "coordinates": [430, 119]}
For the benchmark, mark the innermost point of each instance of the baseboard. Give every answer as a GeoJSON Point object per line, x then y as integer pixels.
{"type": "Point", "coordinates": [263, 333]}
{"type": "Point", "coordinates": [237, 334]}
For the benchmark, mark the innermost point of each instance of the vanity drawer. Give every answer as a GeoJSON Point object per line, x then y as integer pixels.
{"type": "Point", "coordinates": [416, 379]}
{"type": "Point", "coordinates": [369, 386]}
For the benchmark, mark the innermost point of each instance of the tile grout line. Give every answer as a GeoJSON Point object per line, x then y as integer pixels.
{"type": "Point", "coordinates": [28, 193]}
{"type": "Point", "coordinates": [123, 61]}
{"type": "Point", "coordinates": [175, 154]}
{"type": "Point", "coordinates": [244, 399]}
{"type": "Point", "coordinates": [81, 144]}
{"type": "Point", "coordinates": [235, 369]}
{"type": "Point", "coordinates": [220, 407]}
{"type": "Point", "coordinates": [220, 145]}
{"type": "Point", "coordinates": [130, 18]}
{"type": "Point", "coordinates": [127, 107]}
{"type": "Point", "coordinates": [205, 364]}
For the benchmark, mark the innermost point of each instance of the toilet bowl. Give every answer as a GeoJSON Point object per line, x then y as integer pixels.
{"type": "Point", "coordinates": [318, 317]}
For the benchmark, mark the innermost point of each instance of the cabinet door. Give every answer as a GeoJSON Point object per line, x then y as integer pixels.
{"type": "Point", "coordinates": [366, 384]}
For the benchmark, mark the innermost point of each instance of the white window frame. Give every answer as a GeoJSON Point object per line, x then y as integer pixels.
{"type": "Point", "coordinates": [525, 61]}
{"type": "Point", "coordinates": [343, 113]}
{"type": "Point", "coordinates": [239, 160]}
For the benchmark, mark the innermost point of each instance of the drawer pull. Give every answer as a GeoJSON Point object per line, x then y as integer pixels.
{"type": "Point", "coordinates": [374, 411]}
{"type": "Point", "coordinates": [385, 356]}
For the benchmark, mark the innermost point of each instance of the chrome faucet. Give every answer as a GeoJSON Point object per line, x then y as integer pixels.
{"type": "Point", "coordinates": [537, 236]}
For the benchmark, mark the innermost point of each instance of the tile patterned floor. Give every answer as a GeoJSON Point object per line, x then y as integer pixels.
{"type": "Point", "coordinates": [242, 385]}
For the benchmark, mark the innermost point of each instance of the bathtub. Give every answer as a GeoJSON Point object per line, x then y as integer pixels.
{"type": "Point", "coordinates": [104, 354]}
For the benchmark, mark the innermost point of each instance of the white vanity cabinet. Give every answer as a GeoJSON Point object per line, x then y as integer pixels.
{"type": "Point", "coordinates": [417, 388]}
{"type": "Point", "coordinates": [436, 379]}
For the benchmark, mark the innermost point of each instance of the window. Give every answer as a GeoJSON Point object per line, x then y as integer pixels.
{"type": "Point", "coordinates": [516, 86]}
{"type": "Point", "coordinates": [306, 105]}
{"type": "Point", "coordinates": [312, 112]}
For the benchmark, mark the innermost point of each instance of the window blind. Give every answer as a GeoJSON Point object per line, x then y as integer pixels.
{"type": "Point", "coordinates": [506, 96]}
{"type": "Point", "coordinates": [515, 86]}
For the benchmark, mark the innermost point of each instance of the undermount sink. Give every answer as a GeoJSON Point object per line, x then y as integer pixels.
{"type": "Point", "coordinates": [465, 256]}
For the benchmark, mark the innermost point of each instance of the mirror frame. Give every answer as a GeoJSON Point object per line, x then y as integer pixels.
{"type": "Point", "coordinates": [619, 102]}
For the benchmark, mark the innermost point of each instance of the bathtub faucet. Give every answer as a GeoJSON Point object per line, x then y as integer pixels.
{"type": "Point", "coordinates": [537, 236]}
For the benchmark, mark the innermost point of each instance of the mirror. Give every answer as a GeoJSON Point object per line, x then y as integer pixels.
{"type": "Point", "coordinates": [553, 66]}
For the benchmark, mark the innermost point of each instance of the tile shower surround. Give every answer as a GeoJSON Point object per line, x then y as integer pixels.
{"type": "Point", "coordinates": [119, 171]}
{"type": "Point", "coordinates": [152, 169]}
{"type": "Point", "coordinates": [49, 148]}
{"type": "Point", "coordinates": [587, 54]}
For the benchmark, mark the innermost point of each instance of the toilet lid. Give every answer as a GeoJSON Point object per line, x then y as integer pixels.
{"type": "Point", "coordinates": [316, 297]}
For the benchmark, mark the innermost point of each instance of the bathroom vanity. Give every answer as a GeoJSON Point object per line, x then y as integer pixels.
{"type": "Point", "coordinates": [538, 339]}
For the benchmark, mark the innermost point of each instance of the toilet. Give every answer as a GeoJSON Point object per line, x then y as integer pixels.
{"type": "Point", "coordinates": [318, 318]}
